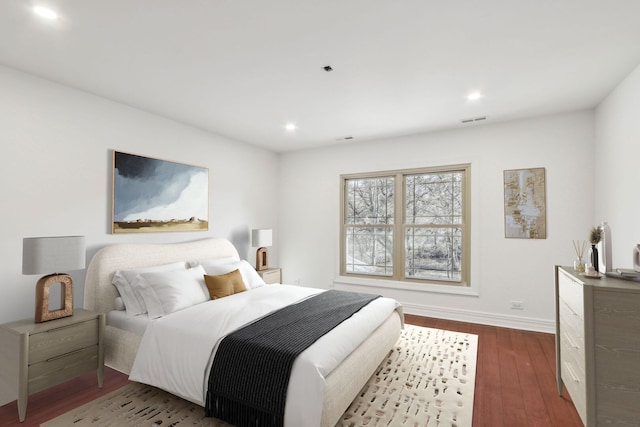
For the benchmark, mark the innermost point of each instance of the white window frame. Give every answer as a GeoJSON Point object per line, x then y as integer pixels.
{"type": "Point", "coordinates": [398, 279]}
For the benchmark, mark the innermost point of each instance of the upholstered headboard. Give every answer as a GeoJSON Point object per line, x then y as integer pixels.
{"type": "Point", "coordinates": [100, 293]}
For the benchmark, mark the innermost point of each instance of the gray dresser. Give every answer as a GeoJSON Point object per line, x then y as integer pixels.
{"type": "Point", "coordinates": [598, 346]}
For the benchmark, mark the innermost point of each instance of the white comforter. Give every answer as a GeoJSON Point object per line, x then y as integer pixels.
{"type": "Point", "coordinates": [177, 350]}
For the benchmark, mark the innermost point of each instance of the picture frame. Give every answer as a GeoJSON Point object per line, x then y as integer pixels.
{"type": "Point", "coordinates": [525, 215]}
{"type": "Point", "coordinates": [154, 195]}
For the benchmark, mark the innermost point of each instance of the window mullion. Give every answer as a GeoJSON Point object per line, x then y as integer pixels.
{"type": "Point", "coordinates": [399, 227]}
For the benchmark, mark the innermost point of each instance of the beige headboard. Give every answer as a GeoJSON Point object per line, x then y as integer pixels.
{"type": "Point", "coordinates": [100, 293]}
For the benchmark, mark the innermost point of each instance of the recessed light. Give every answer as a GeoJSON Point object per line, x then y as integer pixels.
{"type": "Point", "coordinates": [474, 96]}
{"type": "Point", "coordinates": [290, 127]}
{"type": "Point", "coordinates": [45, 12]}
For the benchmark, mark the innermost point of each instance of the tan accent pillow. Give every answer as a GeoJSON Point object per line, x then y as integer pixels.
{"type": "Point", "coordinates": [224, 285]}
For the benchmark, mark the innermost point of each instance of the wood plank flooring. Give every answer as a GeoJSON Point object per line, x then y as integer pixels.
{"type": "Point", "coordinates": [515, 377]}
{"type": "Point", "coordinates": [515, 382]}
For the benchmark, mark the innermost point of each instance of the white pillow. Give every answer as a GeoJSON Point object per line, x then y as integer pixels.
{"type": "Point", "coordinates": [215, 267]}
{"type": "Point", "coordinates": [119, 304]}
{"type": "Point", "coordinates": [169, 291]}
{"type": "Point", "coordinates": [123, 281]}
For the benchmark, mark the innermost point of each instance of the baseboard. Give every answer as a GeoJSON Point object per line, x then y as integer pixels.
{"type": "Point", "coordinates": [504, 321]}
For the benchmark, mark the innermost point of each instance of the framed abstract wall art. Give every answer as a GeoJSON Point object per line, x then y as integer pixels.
{"type": "Point", "coordinates": [152, 195]}
{"type": "Point", "coordinates": [525, 214]}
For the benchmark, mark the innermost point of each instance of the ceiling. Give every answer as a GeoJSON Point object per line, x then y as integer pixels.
{"type": "Point", "coordinates": [245, 68]}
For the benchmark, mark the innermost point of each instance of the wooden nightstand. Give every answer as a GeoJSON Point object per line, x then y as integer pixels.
{"type": "Point", "coordinates": [36, 356]}
{"type": "Point", "coordinates": [271, 275]}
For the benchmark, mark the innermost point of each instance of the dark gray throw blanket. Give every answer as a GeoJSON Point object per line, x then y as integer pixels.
{"type": "Point", "coordinates": [250, 372]}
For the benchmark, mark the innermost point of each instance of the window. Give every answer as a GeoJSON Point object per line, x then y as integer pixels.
{"type": "Point", "coordinates": [409, 225]}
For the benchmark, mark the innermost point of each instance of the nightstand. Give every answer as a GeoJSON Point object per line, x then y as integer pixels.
{"type": "Point", "coordinates": [271, 275]}
{"type": "Point", "coordinates": [36, 356]}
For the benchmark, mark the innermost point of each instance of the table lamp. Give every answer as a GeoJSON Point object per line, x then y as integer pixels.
{"type": "Point", "coordinates": [42, 255]}
{"type": "Point", "coordinates": [261, 238]}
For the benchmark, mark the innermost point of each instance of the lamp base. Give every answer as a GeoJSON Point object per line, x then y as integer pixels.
{"type": "Point", "coordinates": [261, 259]}
{"type": "Point", "coordinates": [42, 297]}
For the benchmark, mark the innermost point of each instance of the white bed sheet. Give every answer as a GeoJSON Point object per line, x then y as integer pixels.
{"type": "Point", "coordinates": [135, 324]}
{"type": "Point", "coordinates": [177, 350]}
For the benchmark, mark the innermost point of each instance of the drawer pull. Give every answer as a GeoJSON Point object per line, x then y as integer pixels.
{"type": "Point", "coordinates": [570, 310]}
{"type": "Point", "coordinates": [64, 355]}
{"type": "Point", "coordinates": [571, 342]}
{"type": "Point", "coordinates": [571, 374]}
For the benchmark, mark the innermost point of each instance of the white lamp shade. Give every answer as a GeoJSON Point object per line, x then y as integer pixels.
{"type": "Point", "coordinates": [261, 237]}
{"type": "Point", "coordinates": [46, 255]}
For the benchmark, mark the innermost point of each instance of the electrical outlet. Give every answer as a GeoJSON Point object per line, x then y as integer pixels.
{"type": "Point", "coordinates": [517, 305]}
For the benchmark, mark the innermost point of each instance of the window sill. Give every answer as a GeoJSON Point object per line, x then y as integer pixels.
{"type": "Point", "coordinates": [393, 284]}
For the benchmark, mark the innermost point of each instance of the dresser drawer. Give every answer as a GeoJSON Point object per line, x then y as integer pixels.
{"type": "Point", "coordinates": [574, 354]}
{"type": "Point", "coordinates": [571, 293]}
{"type": "Point", "coordinates": [571, 323]}
{"type": "Point", "coordinates": [63, 340]}
{"type": "Point", "coordinates": [62, 368]}
{"type": "Point", "coordinates": [575, 382]}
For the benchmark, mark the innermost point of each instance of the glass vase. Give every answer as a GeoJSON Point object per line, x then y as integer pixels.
{"type": "Point", "coordinates": [578, 265]}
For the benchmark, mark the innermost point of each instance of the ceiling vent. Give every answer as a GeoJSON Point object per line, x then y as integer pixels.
{"type": "Point", "coordinates": [473, 119]}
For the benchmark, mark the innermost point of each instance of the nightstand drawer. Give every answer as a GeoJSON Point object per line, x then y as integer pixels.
{"type": "Point", "coordinates": [271, 276]}
{"type": "Point", "coordinates": [63, 340]}
{"type": "Point", "coordinates": [62, 368]}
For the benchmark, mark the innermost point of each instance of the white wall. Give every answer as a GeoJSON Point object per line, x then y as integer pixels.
{"type": "Point", "coordinates": [503, 270]}
{"type": "Point", "coordinates": [56, 180]}
{"type": "Point", "coordinates": [56, 176]}
{"type": "Point", "coordinates": [617, 168]}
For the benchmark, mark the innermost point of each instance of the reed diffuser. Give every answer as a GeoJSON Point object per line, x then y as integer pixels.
{"type": "Point", "coordinates": [579, 246]}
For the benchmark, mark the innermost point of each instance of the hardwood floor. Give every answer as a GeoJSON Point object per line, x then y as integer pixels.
{"type": "Point", "coordinates": [515, 377]}
{"type": "Point", "coordinates": [515, 382]}
{"type": "Point", "coordinates": [50, 403]}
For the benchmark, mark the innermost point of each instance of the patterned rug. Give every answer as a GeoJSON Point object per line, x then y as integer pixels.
{"type": "Point", "coordinates": [427, 380]}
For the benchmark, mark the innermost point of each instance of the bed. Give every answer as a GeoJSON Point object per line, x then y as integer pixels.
{"type": "Point", "coordinates": [340, 385]}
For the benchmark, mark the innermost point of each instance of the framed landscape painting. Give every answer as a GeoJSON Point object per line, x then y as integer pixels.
{"type": "Point", "coordinates": [152, 195]}
{"type": "Point", "coordinates": [525, 214]}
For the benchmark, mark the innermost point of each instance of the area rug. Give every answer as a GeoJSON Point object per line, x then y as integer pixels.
{"type": "Point", "coordinates": [427, 380]}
